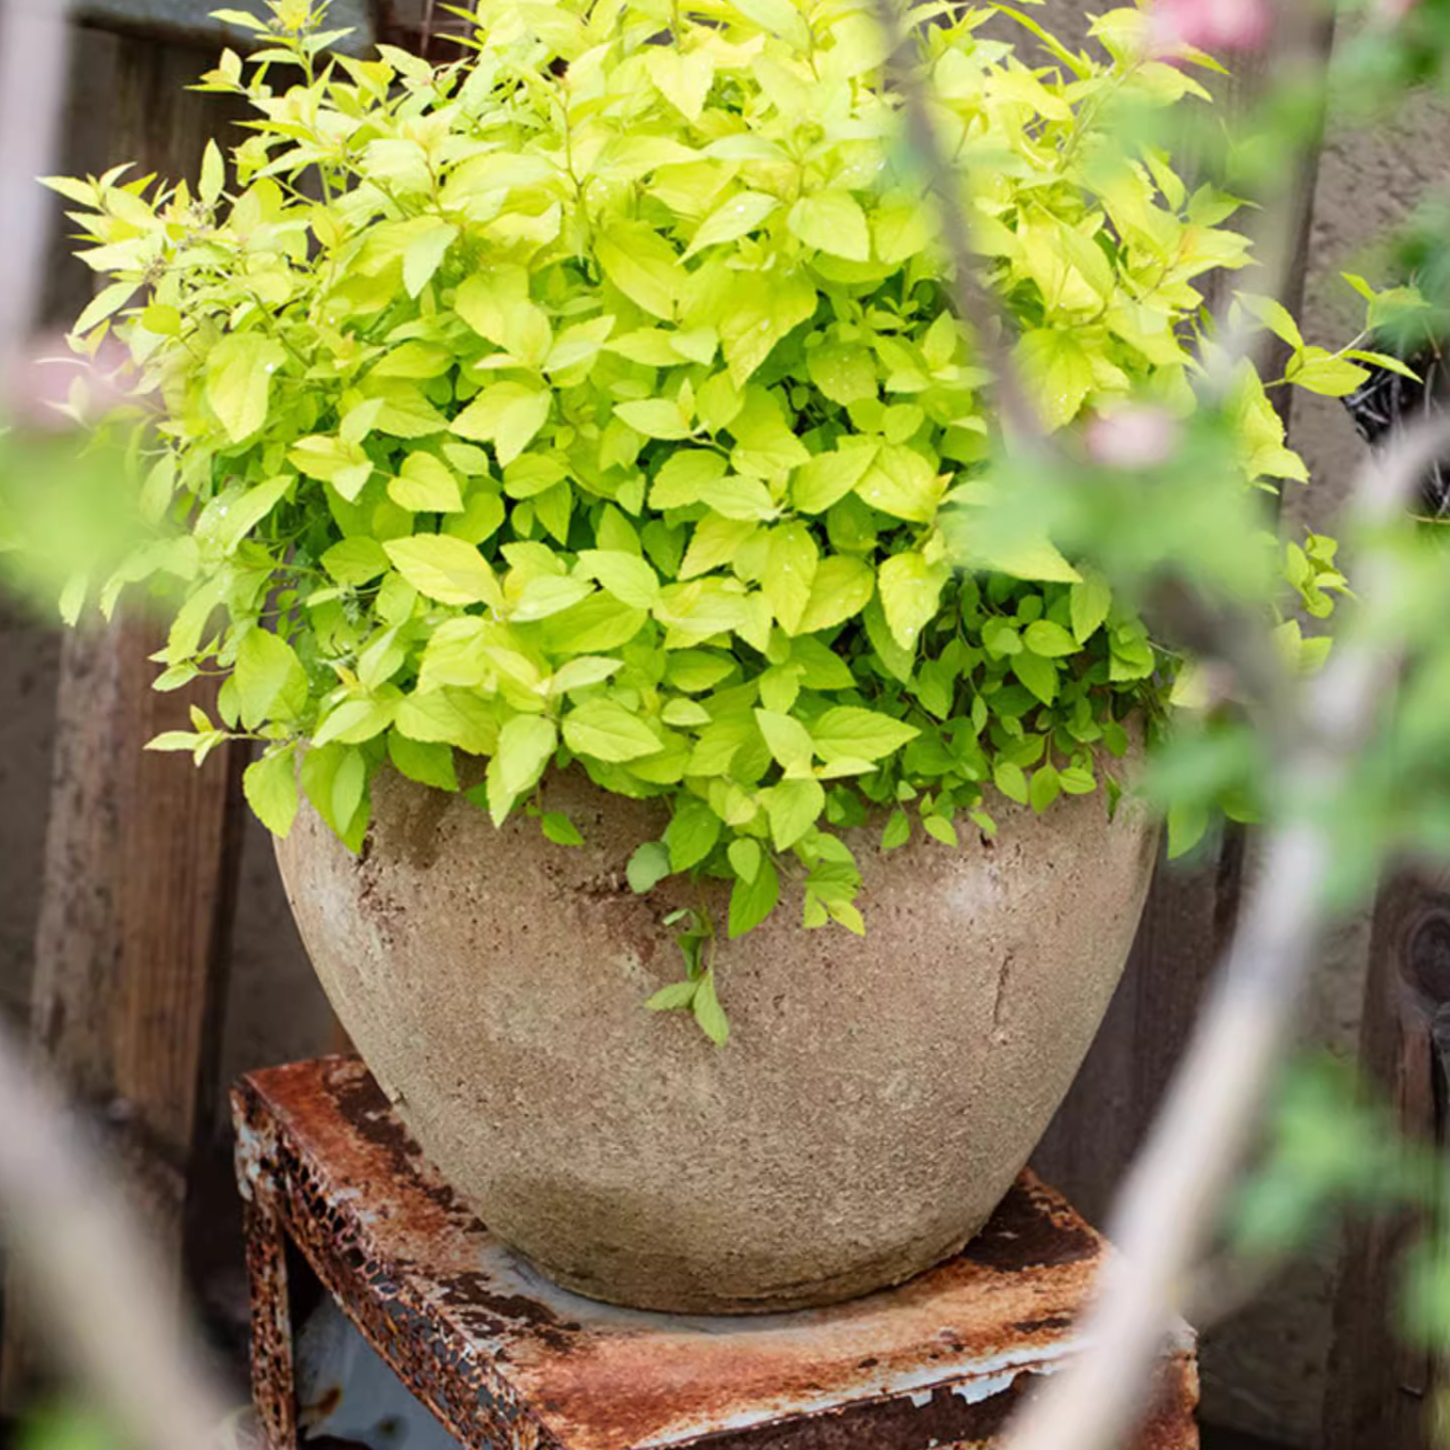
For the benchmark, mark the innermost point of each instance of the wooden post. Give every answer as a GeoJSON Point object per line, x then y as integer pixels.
{"type": "Point", "coordinates": [1380, 1389]}
{"type": "Point", "coordinates": [140, 854]}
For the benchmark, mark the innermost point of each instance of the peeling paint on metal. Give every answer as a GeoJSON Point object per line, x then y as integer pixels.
{"type": "Point", "coordinates": [509, 1361]}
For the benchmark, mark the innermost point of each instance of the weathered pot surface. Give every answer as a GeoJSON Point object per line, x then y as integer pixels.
{"type": "Point", "coordinates": [874, 1103]}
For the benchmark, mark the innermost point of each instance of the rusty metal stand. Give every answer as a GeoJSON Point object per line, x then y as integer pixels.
{"type": "Point", "coordinates": [335, 1187]}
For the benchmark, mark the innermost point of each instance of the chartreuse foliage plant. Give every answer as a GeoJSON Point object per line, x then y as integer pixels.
{"type": "Point", "coordinates": [595, 401]}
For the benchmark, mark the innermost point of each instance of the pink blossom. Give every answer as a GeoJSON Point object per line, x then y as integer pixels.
{"type": "Point", "coordinates": [1212, 25]}
{"type": "Point", "coordinates": [40, 381]}
{"type": "Point", "coordinates": [1134, 437]}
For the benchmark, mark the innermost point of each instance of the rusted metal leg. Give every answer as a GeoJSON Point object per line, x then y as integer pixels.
{"type": "Point", "coordinates": [274, 1386]}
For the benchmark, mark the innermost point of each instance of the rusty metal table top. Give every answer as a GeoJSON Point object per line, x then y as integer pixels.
{"type": "Point", "coordinates": [504, 1357]}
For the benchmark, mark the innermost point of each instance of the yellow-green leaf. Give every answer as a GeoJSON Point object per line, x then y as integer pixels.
{"type": "Point", "coordinates": [842, 587]}
{"type": "Point", "coordinates": [607, 731]}
{"type": "Point", "coordinates": [832, 221]}
{"type": "Point", "coordinates": [791, 558]}
{"type": "Point", "coordinates": [910, 594]}
{"type": "Point", "coordinates": [445, 569]}
{"type": "Point", "coordinates": [426, 484]}
{"type": "Point", "coordinates": [508, 415]}
{"type": "Point", "coordinates": [239, 371]}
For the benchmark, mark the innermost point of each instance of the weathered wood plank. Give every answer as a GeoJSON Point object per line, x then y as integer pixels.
{"type": "Point", "coordinates": [191, 20]}
{"type": "Point", "coordinates": [1381, 1390]}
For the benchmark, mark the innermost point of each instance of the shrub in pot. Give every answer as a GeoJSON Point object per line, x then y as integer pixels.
{"type": "Point", "coordinates": [551, 453]}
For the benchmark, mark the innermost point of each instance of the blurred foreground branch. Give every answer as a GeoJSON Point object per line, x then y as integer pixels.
{"type": "Point", "coordinates": [1173, 1197]}
{"type": "Point", "coordinates": [34, 46]}
{"type": "Point", "coordinates": [93, 1274]}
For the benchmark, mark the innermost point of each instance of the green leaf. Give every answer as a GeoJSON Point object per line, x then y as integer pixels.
{"type": "Point", "coordinates": [716, 541]}
{"type": "Point", "coordinates": [1044, 789]}
{"type": "Point", "coordinates": [356, 719]}
{"type": "Point", "coordinates": [344, 465]}
{"type": "Point", "coordinates": [425, 256]}
{"type": "Point", "coordinates": [106, 303]}
{"type": "Point", "coordinates": [752, 901]}
{"type": "Point", "coordinates": [642, 265]}
{"type": "Point", "coordinates": [745, 857]}
{"type": "Point", "coordinates": [1023, 558]}
{"type": "Point", "coordinates": [778, 17]}
{"type": "Point", "coordinates": [840, 588]}
{"type": "Point", "coordinates": [673, 997]}
{"type": "Point", "coordinates": [832, 221]}
{"type": "Point", "coordinates": [655, 418]}
{"type": "Point", "coordinates": [1320, 372]}
{"type": "Point", "coordinates": [426, 484]}
{"type": "Point", "coordinates": [1051, 640]}
{"type": "Point", "coordinates": [428, 762]}
{"type": "Point", "coordinates": [1037, 673]}
{"type": "Point", "coordinates": [897, 831]}
{"type": "Point", "coordinates": [1057, 373]}
{"type": "Point", "coordinates": [1275, 316]}
{"type": "Point", "coordinates": [213, 174]}
{"type": "Point", "coordinates": [445, 569]}
{"type": "Point", "coordinates": [1187, 826]}
{"type": "Point", "coordinates": [849, 732]}
{"type": "Point", "coordinates": [791, 558]}
{"type": "Point", "coordinates": [792, 807]}
{"type": "Point", "coordinates": [626, 576]}
{"type": "Point", "coordinates": [607, 731]}
{"type": "Point", "coordinates": [709, 1013]}
{"type": "Point", "coordinates": [684, 476]}
{"type": "Point", "coordinates": [355, 561]}
{"type": "Point", "coordinates": [787, 739]}
{"type": "Point", "coordinates": [1009, 779]}
{"type": "Point", "coordinates": [691, 834]}
{"type": "Point", "coordinates": [732, 219]}
{"type": "Point", "coordinates": [649, 865]}
{"type": "Point", "coordinates": [684, 80]}
{"type": "Point", "coordinates": [941, 829]}
{"type": "Point", "coordinates": [902, 483]}
{"type": "Point", "coordinates": [1090, 599]}
{"type": "Point", "coordinates": [508, 415]}
{"type": "Point", "coordinates": [1384, 360]}
{"type": "Point", "coordinates": [830, 476]}
{"type": "Point", "coordinates": [898, 660]}
{"type": "Point", "coordinates": [495, 303]}
{"type": "Point", "coordinates": [240, 18]}
{"type": "Point", "coordinates": [525, 745]}
{"type": "Point", "coordinates": [270, 785]}
{"type": "Point", "coordinates": [559, 829]}
{"type": "Point", "coordinates": [239, 372]}
{"type": "Point", "coordinates": [910, 594]}
{"type": "Point", "coordinates": [270, 680]}
{"type": "Point", "coordinates": [547, 595]}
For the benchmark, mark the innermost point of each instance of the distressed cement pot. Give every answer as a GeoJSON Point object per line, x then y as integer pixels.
{"type": "Point", "coordinates": [876, 1099]}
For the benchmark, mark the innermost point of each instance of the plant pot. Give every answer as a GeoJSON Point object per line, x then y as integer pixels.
{"type": "Point", "coordinates": [874, 1103]}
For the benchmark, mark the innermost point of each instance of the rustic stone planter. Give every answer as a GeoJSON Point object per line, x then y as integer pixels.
{"type": "Point", "coordinates": [875, 1102]}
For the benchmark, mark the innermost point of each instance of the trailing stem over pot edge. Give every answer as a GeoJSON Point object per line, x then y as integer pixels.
{"type": "Point", "coordinates": [595, 401]}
